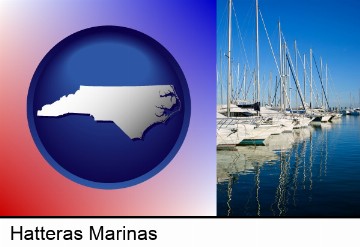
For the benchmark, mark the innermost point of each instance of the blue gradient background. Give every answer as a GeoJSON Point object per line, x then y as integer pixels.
{"type": "Point", "coordinates": [30, 186]}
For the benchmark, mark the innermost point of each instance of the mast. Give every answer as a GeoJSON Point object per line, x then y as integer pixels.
{"type": "Point", "coordinates": [269, 95]}
{"type": "Point", "coordinates": [285, 69]}
{"type": "Point", "coordinates": [221, 81]}
{"type": "Point", "coordinates": [281, 68]}
{"type": "Point", "coordinates": [244, 80]}
{"type": "Point", "coordinates": [229, 61]}
{"type": "Point", "coordinates": [321, 77]}
{"type": "Point", "coordinates": [238, 84]}
{"type": "Point", "coordinates": [254, 79]}
{"type": "Point", "coordinates": [276, 83]}
{"type": "Point", "coordinates": [326, 81]}
{"type": "Point", "coordinates": [304, 78]}
{"type": "Point", "coordinates": [297, 72]}
{"type": "Point", "coordinates": [322, 85]}
{"type": "Point", "coordinates": [292, 70]}
{"type": "Point", "coordinates": [257, 52]}
{"type": "Point", "coordinates": [288, 82]}
{"type": "Point", "coordinates": [311, 79]}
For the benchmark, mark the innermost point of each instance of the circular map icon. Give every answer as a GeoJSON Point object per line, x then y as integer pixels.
{"type": "Point", "coordinates": [108, 107]}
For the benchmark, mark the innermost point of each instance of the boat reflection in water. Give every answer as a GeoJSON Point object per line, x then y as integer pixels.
{"type": "Point", "coordinates": [275, 179]}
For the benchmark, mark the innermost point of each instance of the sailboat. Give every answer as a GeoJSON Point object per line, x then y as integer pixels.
{"type": "Point", "coordinates": [245, 125]}
{"type": "Point", "coordinates": [230, 131]}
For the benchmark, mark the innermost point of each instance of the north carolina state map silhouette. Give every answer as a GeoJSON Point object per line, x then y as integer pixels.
{"type": "Point", "coordinates": [132, 108]}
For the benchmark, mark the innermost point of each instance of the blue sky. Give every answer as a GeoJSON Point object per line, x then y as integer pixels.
{"type": "Point", "coordinates": [330, 28]}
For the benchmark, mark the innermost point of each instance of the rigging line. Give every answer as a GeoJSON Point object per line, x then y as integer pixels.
{"type": "Point", "coordinates": [248, 19]}
{"type": "Point", "coordinates": [287, 53]}
{"type": "Point", "coordinates": [250, 84]}
{"type": "Point", "coordinates": [239, 34]}
{"type": "Point", "coordinates": [281, 81]}
{"type": "Point", "coordinates": [241, 75]}
{"type": "Point", "coordinates": [322, 86]}
{"type": "Point", "coordinates": [302, 63]}
{"type": "Point", "coordinates": [304, 66]}
{"type": "Point", "coordinates": [241, 87]}
{"type": "Point", "coordinates": [272, 50]}
{"type": "Point", "coordinates": [314, 87]}
{"type": "Point", "coordinates": [307, 77]}
{"type": "Point", "coordinates": [316, 96]}
{"type": "Point", "coordinates": [222, 39]}
{"type": "Point", "coordinates": [295, 79]}
{"type": "Point", "coordinates": [332, 86]}
{"type": "Point", "coordinates": [276, 88]}
{"type": "Point", "coordinates": [221, 19]}
{"type": "Point", "coordinates": [236, 90]}
{"type": "Point", "coordinates": [239, 82]}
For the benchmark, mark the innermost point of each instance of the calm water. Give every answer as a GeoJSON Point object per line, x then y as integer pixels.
{"type": "Point", "coordinates": [311, 172]}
